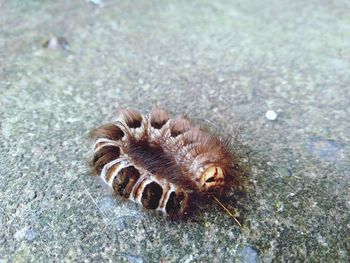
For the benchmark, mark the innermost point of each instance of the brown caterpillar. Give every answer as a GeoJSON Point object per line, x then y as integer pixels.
{"type": "Point", "coordinates": [163, 163]}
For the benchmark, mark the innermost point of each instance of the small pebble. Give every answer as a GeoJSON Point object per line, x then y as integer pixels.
{"type": "Point", "coordinates": [56, 43]}
{"type": "Point", "coordinates": [134, 259]}
{"type": "Point", "coordinates": [30, 234]}
{"type": "Point", "coordinates": [271, 115]}
{"type": "Point", "coordinates": [20, 233]}
{"type": "Point", "coordinates": [96, 2]}
{"type": "Point", "coordinates": [250, 255]}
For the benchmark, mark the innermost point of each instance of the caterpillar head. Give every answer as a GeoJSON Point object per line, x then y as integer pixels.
{"type": "Point", "coordinates": [212, 179]}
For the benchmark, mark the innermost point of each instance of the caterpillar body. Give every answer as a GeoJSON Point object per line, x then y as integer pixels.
{"type": "Point", "coordinates": [163, 163]}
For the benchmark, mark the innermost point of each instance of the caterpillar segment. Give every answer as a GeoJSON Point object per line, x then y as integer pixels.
{"type": "Point", "coordinates": [161, 162]}
{"type": "Point", "coordinates": [146, 190]}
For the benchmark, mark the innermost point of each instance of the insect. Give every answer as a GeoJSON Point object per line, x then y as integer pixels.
{"type": "Point", "coordinates": [164, 163]}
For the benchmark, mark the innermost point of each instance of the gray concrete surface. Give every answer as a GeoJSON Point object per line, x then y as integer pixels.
{"type": "Point", "coordinates": [224, 61]}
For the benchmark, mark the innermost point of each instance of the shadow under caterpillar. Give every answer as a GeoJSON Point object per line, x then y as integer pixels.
{"type": "Point", "coordinates": [164, 163]}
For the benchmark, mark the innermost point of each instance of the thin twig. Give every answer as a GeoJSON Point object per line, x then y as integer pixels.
{"type": "Point", "coordinates": [227, 211]}
{"type": "Point", "coordinates": [99, 209]}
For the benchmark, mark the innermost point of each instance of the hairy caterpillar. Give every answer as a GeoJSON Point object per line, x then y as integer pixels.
{"type": "Point", "coordinates": [163, 163]}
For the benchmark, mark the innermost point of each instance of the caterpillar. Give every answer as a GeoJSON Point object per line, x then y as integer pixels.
{"type": "Point", "coordinates": [164, 163]}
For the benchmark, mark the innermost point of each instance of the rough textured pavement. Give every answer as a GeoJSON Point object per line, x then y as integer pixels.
{"type": "Point", "coordinates": [227, 62]}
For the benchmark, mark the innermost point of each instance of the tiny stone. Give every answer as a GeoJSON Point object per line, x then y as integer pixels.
{"type": "Point", "coordinates": [96, 2]}
{"type": "Point", "coordinates": [279, 206]}
{"type": "Point", "coordinates": [134, 259]}
{"type": "Point", "coordinates": [271, 115]}
{"type": "Point", "coordinates": [119, 224]}
{"type": "Point", "coordinates": [221, 79]}
{"type": "Point", "coordinates": [249, 255]}
{"type": "Point", "coordinates": [56, 43]}
{"type": "Point", "coordinates": [30, 234]}
{"type": "Point", "coordinates": [20, 233]}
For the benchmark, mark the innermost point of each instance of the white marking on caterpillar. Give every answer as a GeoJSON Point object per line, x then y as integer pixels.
{"type": "Point", "coordinates": [122, 164]}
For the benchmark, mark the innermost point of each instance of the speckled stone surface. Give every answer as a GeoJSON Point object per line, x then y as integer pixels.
{"type": "Point", "coordinates": [227, 62]}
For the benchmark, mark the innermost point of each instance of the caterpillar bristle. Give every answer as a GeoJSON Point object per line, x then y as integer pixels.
{"type": "Point", "coordinates": [179, 125]}
{"type": "Point", "coordinates": [104, 157]}
{"type": "Point", "coordinates": [108, 131]}
{"type": "Point", "coordinates": [163, 164]}
{"type": "Point", "coordinates": [158, 118]}
{"type": "Point", "coordinates": [132, 118]}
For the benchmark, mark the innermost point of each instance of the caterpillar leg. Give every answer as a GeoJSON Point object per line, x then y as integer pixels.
{"type": "Point", "coordinates": [114, 169]}
{"type": "Point", "coordinates": [162, 196]}
{"type": "Point", "coordinates": [107, 145]}
{"type": "Point", "coordinates": [125, 180]}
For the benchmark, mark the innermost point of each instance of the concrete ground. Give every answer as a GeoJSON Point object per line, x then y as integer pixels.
{"type": "Point", "coordinates": [226, 62]}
